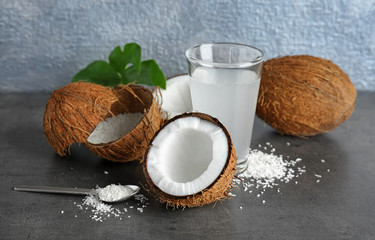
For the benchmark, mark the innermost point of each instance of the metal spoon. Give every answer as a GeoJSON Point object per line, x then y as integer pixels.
{"type": "Point", "coordinates": [78, 191]}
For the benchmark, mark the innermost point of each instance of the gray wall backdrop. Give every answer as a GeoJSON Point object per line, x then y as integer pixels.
{"type": "Point", "coordinates": [43, 43]}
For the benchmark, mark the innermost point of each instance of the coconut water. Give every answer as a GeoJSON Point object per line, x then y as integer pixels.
{"type": "Point", "coordinates": [231, 96]}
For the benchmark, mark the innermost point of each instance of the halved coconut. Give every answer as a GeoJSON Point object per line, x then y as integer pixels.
{"type": "Point", "coordinates": [81, 112]}
{"type": "Point", "coordinates": [190, 161]}
{"type": "Point", "coordinates": [176, 98]}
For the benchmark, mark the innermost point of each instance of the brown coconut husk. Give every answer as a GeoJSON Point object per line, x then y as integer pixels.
{"type": "Point", "coordinates": [216, 191]}
{"type": "Point", "coordinates": [132, 99]}
{"type": "Point", "coordinates": [304, 95]}
{"type": "Point", "coordinates": [74, 111]}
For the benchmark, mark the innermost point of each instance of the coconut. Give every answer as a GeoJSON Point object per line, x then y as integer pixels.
{"type": "Point", "coordinates": [142, 120]}
{"type": "Point", "coordinates": [73, 111]}
{"type": "Point", "coordinates": [304, 95]}
{"type": "Point", "coordinates": [190, 161]}
{"type": "Point", "coordinates": [78, 113]}
{"type": "Point", "coordinates": [176, 98]}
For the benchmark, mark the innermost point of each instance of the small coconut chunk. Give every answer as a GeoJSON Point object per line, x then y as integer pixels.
{"type": "Point", "coordinates": [176, 99]}
{"type": "Point", "coordinates": [114, 128]}
{"type": "Point", "coordinates": [187, 156]}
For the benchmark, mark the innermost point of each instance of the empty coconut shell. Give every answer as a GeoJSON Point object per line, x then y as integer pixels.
{"type": "Point", "coordinates": [304, 95]}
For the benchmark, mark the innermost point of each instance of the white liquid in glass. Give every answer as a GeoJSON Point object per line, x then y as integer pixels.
{"type": "Point", "coordinates": [231, 96]}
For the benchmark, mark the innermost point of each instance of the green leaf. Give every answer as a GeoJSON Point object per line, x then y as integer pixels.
{"type": "Point", "coordinates": [99, 72]}
{"type": "Point", "coordinates": [117, 59]}
{"type": "Point", "coordinates": [123, 67]}
{"type": "Point", "coordinates": [150, 74]}
{"type": "Point", "coordinates": [132, 54]}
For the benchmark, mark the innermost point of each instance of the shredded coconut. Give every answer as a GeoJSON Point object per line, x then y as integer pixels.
{"type": "Point", "coordinates": [100, 211]}
{"type": "Point", "coordinates": [264, 166]}
{"type": "Point", "coordinates": [267, 171]}
{"type": "Point", "coordinates": [113, 192]}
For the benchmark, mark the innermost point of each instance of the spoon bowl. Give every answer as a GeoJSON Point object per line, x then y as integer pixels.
{"type": "Point", "coordinates": [130, 191]}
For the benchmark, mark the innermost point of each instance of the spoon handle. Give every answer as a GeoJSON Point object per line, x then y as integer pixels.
{"type": "Point", "coordinates": [45, 189]}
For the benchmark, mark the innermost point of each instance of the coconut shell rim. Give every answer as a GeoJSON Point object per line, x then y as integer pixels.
{"type": "Point", "coordinates": [178, 75]}
{"type": "Point", "coordinates": [145, 112]}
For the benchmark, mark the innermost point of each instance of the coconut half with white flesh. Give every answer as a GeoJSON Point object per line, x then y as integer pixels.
{"type": "Point", "coordinates": [176, 98]}
{"type": "Point", "coordinates": [190, 161]}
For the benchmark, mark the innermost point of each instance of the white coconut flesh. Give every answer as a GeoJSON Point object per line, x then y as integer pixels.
{"type": "Point", "coordinates": [176, 99]}
{"type": "Point", "coordinates": [187, 156]}
{"type": "Point", "coordinates": [113, 128]}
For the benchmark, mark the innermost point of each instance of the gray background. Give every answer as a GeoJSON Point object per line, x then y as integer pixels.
{"type": "Point", "coordinates": [43, 43]}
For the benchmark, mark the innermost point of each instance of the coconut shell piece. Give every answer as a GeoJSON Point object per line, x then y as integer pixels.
{"type": "Point", "coordinates": [133, 145]}
{"type": "Point", "coordinates": [304, 95]}
{"type": "Point", "coordinates": [216, 191]}
{"type": "Point", "coordinates": [74, 111]}
{"type": "Point", "coordinates": [176, 98]}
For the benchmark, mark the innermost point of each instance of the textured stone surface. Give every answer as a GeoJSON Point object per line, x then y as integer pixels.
{"type": "Point", "coordinates": [340, 206]}
{"type": "Point", "coordinates": [43, 43]}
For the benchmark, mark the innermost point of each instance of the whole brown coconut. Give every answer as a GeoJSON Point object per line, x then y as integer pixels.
{"type": "Point", "coordinates": [74, 111]}
{"type": "Point", "coordinates": [304, 95]}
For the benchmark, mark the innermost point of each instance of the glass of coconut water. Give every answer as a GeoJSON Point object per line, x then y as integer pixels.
{"type": "Point", "coordinates": [224, 83]}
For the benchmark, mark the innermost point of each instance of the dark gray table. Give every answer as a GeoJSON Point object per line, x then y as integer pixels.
{"type": "Point", "coordinates": [340, 206]}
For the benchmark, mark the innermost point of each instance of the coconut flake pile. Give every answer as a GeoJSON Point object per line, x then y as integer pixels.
{"type": "Point", "coordinates": [113, 192]}
{"type": "Point", "coordinates": [114, 128]}
{"type": "Point", "coordinates": [100, 211]}
{"type": "Point", "coordinates": [267, 170]}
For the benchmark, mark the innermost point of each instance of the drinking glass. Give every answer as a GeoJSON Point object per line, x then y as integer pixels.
{"type": "Point", "coordinates": [224, 83]}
